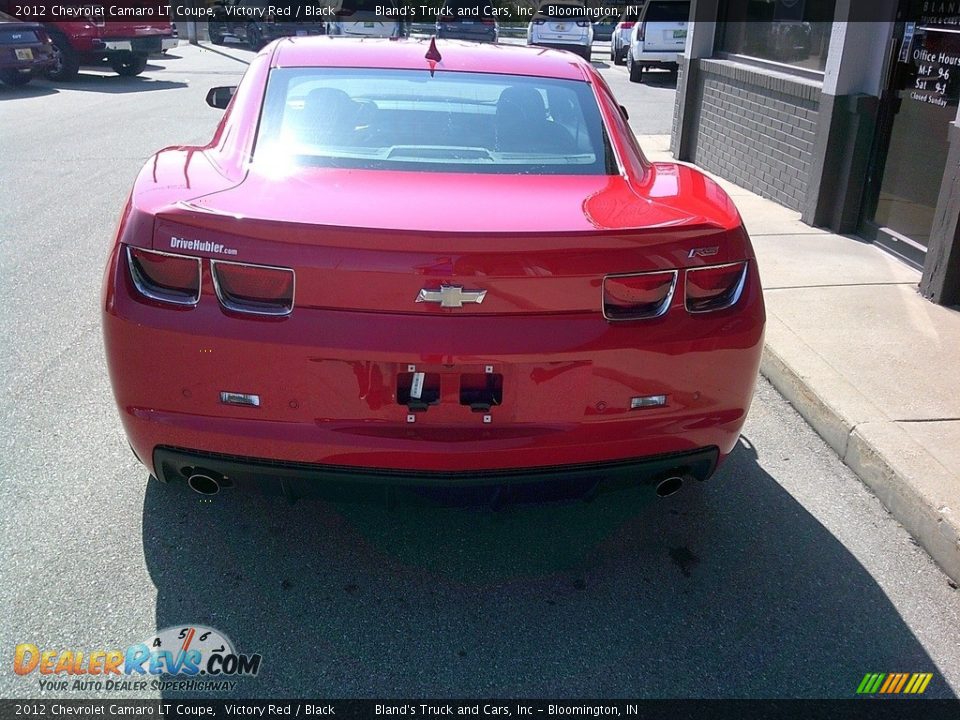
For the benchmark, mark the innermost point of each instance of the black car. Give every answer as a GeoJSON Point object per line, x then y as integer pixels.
{"type": "Point", "coordinates": [469, 20]}
{"type": "Point", "coordinates": [25, 50]}
{"type": "Point", "coordinates": [257, 22]}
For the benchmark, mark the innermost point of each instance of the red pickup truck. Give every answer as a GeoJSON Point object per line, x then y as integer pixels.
{"type": "Point", "coordinates": [125, 45]}
{"type": "Point", "coordinates": [90, 38]}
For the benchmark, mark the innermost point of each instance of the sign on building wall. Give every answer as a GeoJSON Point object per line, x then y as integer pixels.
{"type": "Point", "coordinates": [934, 55]}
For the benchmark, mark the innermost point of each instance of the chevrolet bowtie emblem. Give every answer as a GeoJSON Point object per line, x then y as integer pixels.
{"type": "Point", "coordinates": [451, 296]}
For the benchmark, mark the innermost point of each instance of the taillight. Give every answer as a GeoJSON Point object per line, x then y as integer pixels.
{"type": "Point", "coordinates": [539, 22]}
{"type": "Point", "coordinates": [642, 32]}
{"type": "Point", "coordinates": [583, 23]}
{"type": "Point", "coordinates": [638, 296]}
{"type": "Point", "coordinates": [715, 287]}
{"type": "Point", "coordinates": [165, 277]}
{"type": "Point", "coordinates": [627, 25]}
{"type": "Point", "coordinates": [254, 289]}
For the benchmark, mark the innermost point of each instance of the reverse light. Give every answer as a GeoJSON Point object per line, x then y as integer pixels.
{"type": "Point", "coordinates": [165, 277]}
{"type": "Point", "coordinates": [714, 287]}
{"type": "Point", "coordinates": [253, 289]}
{"type": "Point", "coordinates": [638, 296]}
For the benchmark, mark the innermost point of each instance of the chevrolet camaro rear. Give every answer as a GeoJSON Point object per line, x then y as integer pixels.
{"type": "Point", "coordinates": [429, 264]}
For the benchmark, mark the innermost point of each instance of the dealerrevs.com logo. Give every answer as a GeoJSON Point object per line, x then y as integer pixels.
{"type": "Point", "coordinates": [197, 658]}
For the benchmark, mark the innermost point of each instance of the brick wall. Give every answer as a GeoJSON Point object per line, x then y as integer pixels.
{"type": "Point", "coordinates": [754, 127]}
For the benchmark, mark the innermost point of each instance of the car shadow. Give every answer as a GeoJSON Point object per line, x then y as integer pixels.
{"type": "Point", "coordinates": [116, 84]}
{"type": "Point", "coordinates": [660, 78]}
{"type": "Point", "coordinates": [727, 589]}
{"type": "Point", "coordinates": [31, 89]}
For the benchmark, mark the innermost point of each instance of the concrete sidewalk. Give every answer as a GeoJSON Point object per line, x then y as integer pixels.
{"type": "Point", "coordinates": [872, 366]}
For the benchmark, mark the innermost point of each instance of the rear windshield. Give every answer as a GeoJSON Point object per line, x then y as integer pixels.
{"type": "Point", "coordinates": [450, 122]}
{"type": "Point", "coordinates": [668, 12]}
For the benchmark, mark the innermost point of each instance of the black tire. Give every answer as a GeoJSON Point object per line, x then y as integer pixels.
{"type": "Point", "coordinates": [67, 60]}
{"type": "Point", "coordinates": [620, 58]}
{"type": "Point", "coordinates": [636, 72]}
{"type": "Point", "coordinates": [217, 31]}
{"type": "Point", "coordinates": [126, 64]}
{"type": "Point", "coordinates": [587, 52]}
{"type": "Point", "coordinates": [15, 78]}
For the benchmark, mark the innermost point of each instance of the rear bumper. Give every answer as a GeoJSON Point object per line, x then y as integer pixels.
{"type": "Point", "coordinates": [572, 45]}
{"type": "Point", "coordinates": [328, 383]}
{"type": "Point", "coordinates": [39, 63]}
{"type": "Point", "coordinates": [140, 46]}
{"type": "Point", "coordinates": [273, 31]}
{"type": "Point", "coordinates": [456, 32]}
{"type": "Point", "coordinates": [295, 480]}
{"type": "Point", "coordinates": [658, 59]}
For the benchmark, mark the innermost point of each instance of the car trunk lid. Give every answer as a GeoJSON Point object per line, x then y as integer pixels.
{"type": "Point", "coordinates": [358, 241]}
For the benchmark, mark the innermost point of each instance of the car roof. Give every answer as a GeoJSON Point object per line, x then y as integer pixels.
{"type": "Point", "coordinates": [409, 54]}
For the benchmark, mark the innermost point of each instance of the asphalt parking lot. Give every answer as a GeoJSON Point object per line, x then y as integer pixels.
{"type": "Point", "coordinates": [781, 577]}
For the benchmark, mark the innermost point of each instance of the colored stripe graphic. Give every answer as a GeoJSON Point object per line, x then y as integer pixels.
{"type": "Point", "coordinates": [894, 683]}
{"type": "Point", "coordinates": [870, 683]}
{"type": "Point", "coordinates": [903, 681]}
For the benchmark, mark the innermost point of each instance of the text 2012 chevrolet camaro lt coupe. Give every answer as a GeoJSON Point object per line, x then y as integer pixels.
{"type": "Point", "coordinates": [406, 262]}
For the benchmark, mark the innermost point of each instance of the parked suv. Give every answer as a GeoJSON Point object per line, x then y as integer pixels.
{"type": "Point", "coordinates": [253, 22]}
{"type": "Point", "coordinates": [359, 18]}
{"type": "Point", "coordinates": [658, 37]}
{"type": "Point", "coordinates": [481, 27]}
{"type": "Point", "coordinates": [125, 45]}
{"type": "Point", "coordinates": [561, 30]}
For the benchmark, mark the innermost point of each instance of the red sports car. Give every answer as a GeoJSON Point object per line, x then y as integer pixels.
{"type": "Point", "coordinates": [428, 263]}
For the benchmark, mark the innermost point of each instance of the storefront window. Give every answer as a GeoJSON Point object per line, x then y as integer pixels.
{"type": "Point", "coordinates": [793, 32]}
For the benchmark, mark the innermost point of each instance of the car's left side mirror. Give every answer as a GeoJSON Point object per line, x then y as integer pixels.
{"type": "Point", "coordinates": [219, 97]}
{"type": "Point", "coordinates": [623, 111]}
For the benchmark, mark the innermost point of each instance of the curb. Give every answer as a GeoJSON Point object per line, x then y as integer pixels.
{"type": "Point", "coordinates": [909, 485]}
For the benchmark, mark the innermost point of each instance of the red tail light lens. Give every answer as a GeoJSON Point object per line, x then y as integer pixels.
{"type": "Point", "coordinates": [638, 296]}
{"type": "Point", "coordinates": [255, 289]}
{"type": "Point", "coordinates": [642, 31]}
{"type": "Point", "coordinates": [715, 287]}
{"type": "Point", "coordinates": [627, 25]}
{"type": "Point", "coordinates": [165, 277]}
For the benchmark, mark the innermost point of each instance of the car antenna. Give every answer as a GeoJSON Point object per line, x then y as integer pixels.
{"type": "Point", "coordinates": [433, 55]}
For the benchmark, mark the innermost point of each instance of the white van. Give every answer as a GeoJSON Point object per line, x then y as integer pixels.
{"type": "Point", "coordinates": [561, 30]}
{"type": "Point", "coordinates": [658, 37]}
{"type": "Point", "coordinates": [359, 18]}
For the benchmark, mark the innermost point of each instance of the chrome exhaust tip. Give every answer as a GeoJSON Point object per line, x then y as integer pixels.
{"type": "Point", "coordinates": [203, 484]}
{"type": "Point", "coordinates": [669, 486]}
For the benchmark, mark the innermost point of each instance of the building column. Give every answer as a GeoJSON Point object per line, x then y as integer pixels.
{"type": "Point", "coordinates": [852, 83]}
{"type": "Point", "coordinates": [941, 270]}
{"type": "Point", "coordinates": [700, 43]}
